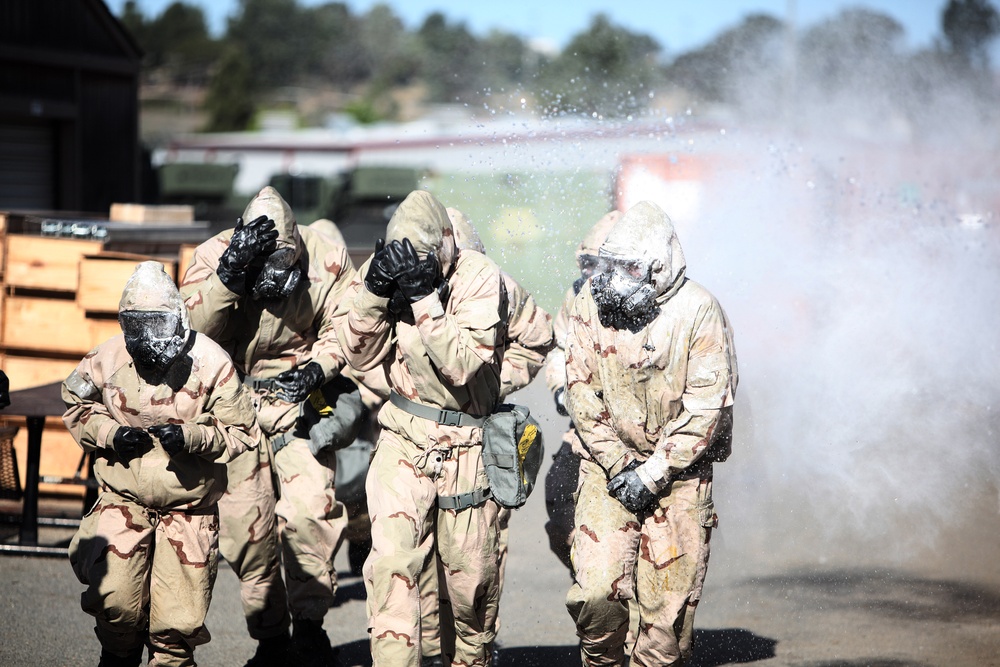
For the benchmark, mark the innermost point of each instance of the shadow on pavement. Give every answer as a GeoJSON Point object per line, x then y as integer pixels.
{"type": "Point", "coordinates": [889, 593]}
{"type": "Point", "coordinates": [728, 646]}
{"type": "Point", "coordinates": [350, 590]}
{"type": "Point", "coordinates": [540, 656]}
{"type": "Point", "coordinates": [715, 648]}
{"type": "Point", "coordinates": [864, 662]}
{"type": "Point", "coordinates": [356, 654]}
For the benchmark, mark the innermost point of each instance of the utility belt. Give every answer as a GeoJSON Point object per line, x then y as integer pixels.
{"type": "Point", "coordinates": [445, 418]}
{"type": "Point", "coordinates": [279, 441]}
{"type": "Point", "coordinates": [154, 513]}
{"type": "Point", "coordinates": [257, 384]}
{"type": "Point", "coordinates": [438, 415]}
{"type": "Point", "coordinates": [512, 451]}
{"type": "Point", "coordinates": [267, 385]}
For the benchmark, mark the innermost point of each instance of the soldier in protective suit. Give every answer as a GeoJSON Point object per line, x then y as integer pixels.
{"type": "Point", "coordinates": [529, 339]}
{"type": "Point", "coordinates": [563, 474]}
{"type": "Point", "coordinates": [160, 406]}
{"type": "Point", "coordinates": [651, 376]}
{"type": "Point", "coordinates": [432, 319]}
{"type": "Point", "coordinates": [266, 291]}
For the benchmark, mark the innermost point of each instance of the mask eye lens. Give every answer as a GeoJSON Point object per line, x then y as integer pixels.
{"type": "Point", "coordinates": [156, 325]}
{"type": "Point", "coordinates": [635, 269]}
{"type": "Point", "coordinates": [589, 265]}
{"type": "Point", "coordinates": [281, 260]}
{"type": "Point", "coordinates": [632, 269]}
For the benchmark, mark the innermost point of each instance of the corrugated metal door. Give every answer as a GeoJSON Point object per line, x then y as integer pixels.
{"type": "Point", "coordinates": [27, 166]}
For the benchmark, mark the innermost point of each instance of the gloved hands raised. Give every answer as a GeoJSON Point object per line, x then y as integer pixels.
{"type": "Point", "coordinates": [414, 276]}
{"type": "Point", "coordinates": [630, 490]}
{"type": "Point", "coordinates": [379, 279]}
{"type": "Point", "coordinates": [250, 242]}
{"type": "Point", "coordinates": [129, 442]}
{"type": "Point", "coordinates": [171, 437]}
{"type": "Point", "coordinates": [295, 385]}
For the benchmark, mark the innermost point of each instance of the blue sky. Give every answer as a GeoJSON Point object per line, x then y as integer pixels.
{"type": "Point", "coordinates": [678, 25]}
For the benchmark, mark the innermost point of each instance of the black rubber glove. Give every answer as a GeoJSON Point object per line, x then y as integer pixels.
{"type": "Point", "coordinates": [171, 437]}
{"type": "Point", "coordinates": [560, 397]}
{"type": "Point", "coordinates": [130, 442]}
{"type": "Point", "coordinates": [414, 276]}
{"type": "Point", "coordinates": [295, 385]}
{"type": "Point", "coordinates": [378, 279]}
{"type": "Point", "coordinates": [630, 490]}
{"type": "Point", "coordinates": [249, 243]}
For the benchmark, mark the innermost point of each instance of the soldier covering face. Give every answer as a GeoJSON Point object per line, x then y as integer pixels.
{"type": "Point", "coordinates": [427, 486]}
{"type": "Point", "coordinates": [529, 338]}
{"type": "Point", "coordinates": [266, 290]}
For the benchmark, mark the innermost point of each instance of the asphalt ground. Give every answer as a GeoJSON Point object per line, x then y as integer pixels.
{"type": "Point", "coordinates": [763, 604]}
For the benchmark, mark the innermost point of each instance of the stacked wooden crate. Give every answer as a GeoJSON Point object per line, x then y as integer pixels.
{"type": "Point", "coordinates": [59, 300]}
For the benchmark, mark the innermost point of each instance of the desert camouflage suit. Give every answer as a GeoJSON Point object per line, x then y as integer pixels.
{"type": "Point", "coordinates": [663, 396]}
{"type": "Point", "coordinates": [147, 550]}
{"type": "Point", "coordinates": [448, 356]}
{"type": "Point", "coordinates": [529, 340]}
{"type": "Point", "coordinates": [265, 342]}
{"type": "Point", "coordinates": [561, 479]}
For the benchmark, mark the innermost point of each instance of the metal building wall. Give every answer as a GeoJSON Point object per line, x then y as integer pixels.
{"type": "Point", "coordinates": [68, 106]}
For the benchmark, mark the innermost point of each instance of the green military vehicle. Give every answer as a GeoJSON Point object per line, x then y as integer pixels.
{"type": "Point", "coordinates": [206, 186]}
{"type": "Point", "coordinates": [360, 201]}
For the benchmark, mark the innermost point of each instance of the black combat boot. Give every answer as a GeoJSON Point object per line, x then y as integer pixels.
{"type": "Point", "coordinates": [272, 652]}
{"type": "Point", "coordinates": [311, 645]}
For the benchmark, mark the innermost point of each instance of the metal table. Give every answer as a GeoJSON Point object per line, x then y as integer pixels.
{"type": "Point", "coordinates": [34, 404]}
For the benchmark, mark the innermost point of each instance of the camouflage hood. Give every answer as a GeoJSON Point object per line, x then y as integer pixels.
{"type": "Point", "coordinates": [466, 236]}
{"type": "Point", "coordinates": [591, 243]}
{"type": "Point", "coordinates": [269, 203]}
{"type": "Point", "coordinates": [646, 234]}
{"type": "Point", "coordinates": [150, 289]}
{"type": "Point", "coordinates": [424, 220]}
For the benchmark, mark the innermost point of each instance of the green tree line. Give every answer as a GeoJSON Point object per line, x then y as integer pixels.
{"type": "Point", "coordinates": [606, 70]}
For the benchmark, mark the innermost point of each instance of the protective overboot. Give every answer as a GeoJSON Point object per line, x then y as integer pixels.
{"type": "Point", "coordinates": [311, 645]}
{"type": "Point", "coordinates": [272, 652]}
{"type": "Point", "coordinates": [133, 659]}
{"type": "Point", "coordinates": [432, 661]}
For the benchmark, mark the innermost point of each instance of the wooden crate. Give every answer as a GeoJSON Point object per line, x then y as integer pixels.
{"type": "Point", "coordinates": [185, 255]}
{"type": "Point", "coordinates": [60, 455]}
{"type": "Point", "coordinates": [39, 262]}
{"type": "Point", "coordinates": [25, 372]}
{"type": "Point", "coordinates": [3, 243]}
{"type": "Point", "coordinates": [52, 325]}
{"type": "Point", "coordinates": [143, 213]}
{"type": "Point", "coordinates": [103, 277]}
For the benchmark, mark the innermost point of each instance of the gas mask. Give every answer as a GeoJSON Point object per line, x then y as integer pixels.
{"type": "Point", "coordinates": [625, 296]}
{"type": "Point", "coordinates": [154, 339]}
{"type": "Point", "coordinates": [589, 265]}
{"type": "Point", "coordinates": [278, 278]}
